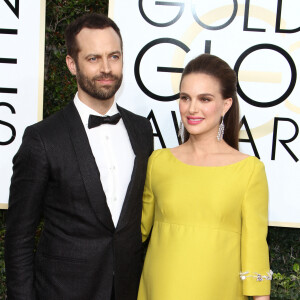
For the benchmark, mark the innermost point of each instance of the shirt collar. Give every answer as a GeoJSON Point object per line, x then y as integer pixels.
{"type": "Point", "coordinates": [85, 111]}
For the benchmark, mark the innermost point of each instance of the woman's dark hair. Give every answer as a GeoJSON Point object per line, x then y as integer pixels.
{"type": "Point", "coordinates": [214, 66]}
{"type": "Point", "coordinates": [92, 21]}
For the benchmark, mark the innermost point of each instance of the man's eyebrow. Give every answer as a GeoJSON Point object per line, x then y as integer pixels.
{"type": "Point", "coordinates": [116, 52]}
{"type": "Point", "coordinates": [99, 55]}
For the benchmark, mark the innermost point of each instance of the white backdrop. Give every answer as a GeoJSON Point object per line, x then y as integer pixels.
{"type": "Point", "coordinates": [259, 39]}
{"type": "Point", "coordinates": [22, 30]}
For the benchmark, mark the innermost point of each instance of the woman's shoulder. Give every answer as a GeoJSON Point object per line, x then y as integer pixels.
{"type": "Point", "coordinates": [159, 159]}
{"type": "Point", "coordinates": [251, 164]}
{"type": "Point", "coordinates": [159, 153]}
{"type": "Point", "coordinates": [238, 156]}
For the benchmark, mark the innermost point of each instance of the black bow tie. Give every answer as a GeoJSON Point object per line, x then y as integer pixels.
{"type": "Point", "coordinates": [95, 121]}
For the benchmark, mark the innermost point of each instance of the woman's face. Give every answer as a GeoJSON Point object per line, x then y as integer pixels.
{"type": "Point", "coordinates": [201, 104]}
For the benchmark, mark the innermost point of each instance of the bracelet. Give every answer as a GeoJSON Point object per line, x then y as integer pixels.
{"type": "Point", "coordinates": [259, 277]}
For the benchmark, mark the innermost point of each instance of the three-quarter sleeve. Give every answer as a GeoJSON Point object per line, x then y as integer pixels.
{"type": "Point", "coordinates": [255, 273]}
{"type": "Point", "coordinates": [148, 202]}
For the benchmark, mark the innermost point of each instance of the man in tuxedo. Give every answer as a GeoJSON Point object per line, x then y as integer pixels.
{"type": "Point", "coordinates": [82, 169]}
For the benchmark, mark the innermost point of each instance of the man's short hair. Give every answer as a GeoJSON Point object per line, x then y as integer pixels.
{"type": "Point", "coordinates": [93, 21]}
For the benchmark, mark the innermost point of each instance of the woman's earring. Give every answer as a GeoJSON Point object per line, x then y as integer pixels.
{"type": "Point", "coordinates": [221, 130]}
{"type": "Point", "coordinates": [181, 132]}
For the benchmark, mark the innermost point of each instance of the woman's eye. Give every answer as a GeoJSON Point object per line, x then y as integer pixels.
{"type": "Point", "coordinates": [205, 99]}
{"type": "Point", "coordinates": [184, 98]}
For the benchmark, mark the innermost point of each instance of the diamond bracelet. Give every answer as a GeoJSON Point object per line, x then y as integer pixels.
{"type": "Point", "coordinates": [258, 276]}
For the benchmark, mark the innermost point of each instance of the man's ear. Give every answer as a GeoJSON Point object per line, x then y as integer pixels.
{"type": "Point", "coordinates": [71, 65]}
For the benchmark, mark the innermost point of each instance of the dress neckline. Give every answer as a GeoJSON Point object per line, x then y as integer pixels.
{"type": "Point", "coordinates": [224, 166]}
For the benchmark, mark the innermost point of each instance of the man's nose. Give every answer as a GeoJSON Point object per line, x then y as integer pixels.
{"type": "Point", "coordinates": [105, 66]}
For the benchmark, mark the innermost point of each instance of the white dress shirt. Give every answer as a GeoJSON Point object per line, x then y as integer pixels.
{"type": "Point", "coordinates": [114, 156]}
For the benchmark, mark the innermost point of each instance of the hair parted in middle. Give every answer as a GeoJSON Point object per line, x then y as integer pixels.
{"type": "Point", "coordinates": [92, 21]}
{"type": "Point", "coordinates": [216, 67]}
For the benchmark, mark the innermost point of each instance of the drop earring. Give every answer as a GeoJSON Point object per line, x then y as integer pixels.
{"type": "Point", "coordinates": [181, 132]}
{"type": "Point", "coordinates": [221, 130]}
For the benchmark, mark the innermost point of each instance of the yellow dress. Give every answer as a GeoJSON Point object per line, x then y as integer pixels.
{"type": "Point", "coordinates": [209, 225]}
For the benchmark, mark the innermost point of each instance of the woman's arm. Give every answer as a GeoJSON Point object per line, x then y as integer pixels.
{"type": "Point", "coordinates": [261, 297]}
{"type": "Point", "coordinates": [256, 273]}
{"type": "Point", "coordinates": [148, 203]}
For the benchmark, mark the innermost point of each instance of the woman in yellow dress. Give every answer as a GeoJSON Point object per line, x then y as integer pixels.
{"type": "Point", "coordinates": [206, 202]}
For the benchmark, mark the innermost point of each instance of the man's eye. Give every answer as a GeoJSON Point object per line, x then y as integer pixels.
{"type": "Point", "coordinates": [92, 59]}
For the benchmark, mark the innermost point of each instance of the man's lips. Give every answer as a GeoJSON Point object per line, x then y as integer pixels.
{"type": "Point", "coordinates": [105, 79]}
{"type": "Point", "coordinates": [194, 120]}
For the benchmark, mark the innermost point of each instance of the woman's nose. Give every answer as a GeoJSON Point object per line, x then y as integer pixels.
{"type": "Point", "coordinates": [194, 106]}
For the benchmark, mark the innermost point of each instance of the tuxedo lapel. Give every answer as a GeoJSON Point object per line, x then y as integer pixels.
{"type": "Point", "coordinates": [88, 167]}
{"type": "Point", "coordinates": [129, 125]}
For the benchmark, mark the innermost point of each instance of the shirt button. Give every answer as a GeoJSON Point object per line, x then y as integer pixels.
{"type": "Point", "coordinates": [115, 199]}
{"type": "Point", "coordinates": [107, 137]}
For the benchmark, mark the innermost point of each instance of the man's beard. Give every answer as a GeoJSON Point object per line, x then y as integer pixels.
{"type": "Point", "coordinates": [99, 92]}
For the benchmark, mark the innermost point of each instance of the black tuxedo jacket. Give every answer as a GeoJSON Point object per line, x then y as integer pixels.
{"type": "Point", "coordinates": [79, 251]}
